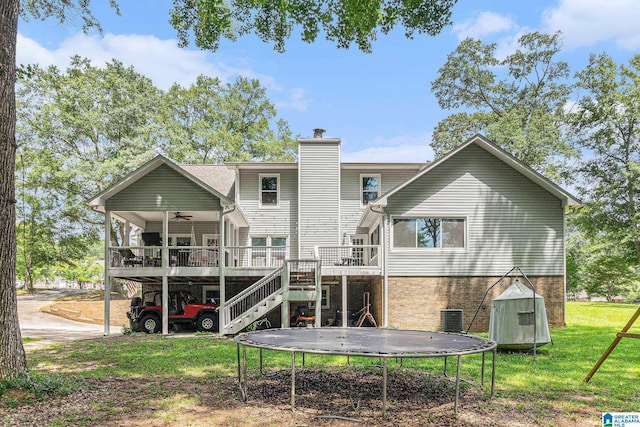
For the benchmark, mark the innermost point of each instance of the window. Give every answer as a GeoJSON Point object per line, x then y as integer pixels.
{"type": "Point", "coordinates": [374, 238]}
{"type": "Point", "coordinates": [269, 190]}
{"type": "Point", "coordinates": [428, 233]}
{"type": "Point", "coordinates": [211, 240]}
{"type": "Point", "coordinates": [268, 250]}
{"type": "Point", "coordinates": [370, 188]}
{"type": "Point", "coordinates": [325, 301]}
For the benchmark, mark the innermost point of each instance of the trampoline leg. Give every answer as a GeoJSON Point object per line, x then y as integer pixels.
{"type": "Point", "coordinates": [482, 371]}
{"type": "Point", "coordinates": [455, 407]}
{"type": "Point", "coordinates": [242, 372]}
{"type": "Point", "coordinates": [261, 362]}
{"type": "Point", "coordinates": [493, 372]}
{"type": "Point", "coordinates": [384, 388]}
{"type": "Point", "coordinates": [293, 381]}
{"type": "Point", "coordinates": [444, 371]}
{"type": "Point", "coordinates": [238, 354]}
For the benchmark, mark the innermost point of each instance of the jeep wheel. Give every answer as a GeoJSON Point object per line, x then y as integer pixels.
{"type": "Point", "coordinates": [207, 323]}
{"type": "Point", "coordinates": [150, 324]}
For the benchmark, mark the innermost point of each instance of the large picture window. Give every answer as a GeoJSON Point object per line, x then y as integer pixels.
{"type": "Point", "coordinates": [428, 233]}
{"type": "Point", "coordinates": [269, 190]}
{"type": "Point", "coordinates": [370, 188]}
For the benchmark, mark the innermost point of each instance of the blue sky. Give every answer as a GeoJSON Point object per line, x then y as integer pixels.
{"type": "Point", "coordinates": [380, 104]}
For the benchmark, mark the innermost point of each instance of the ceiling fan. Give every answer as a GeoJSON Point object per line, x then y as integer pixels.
{"type": "Point", "coordinates": [179, 216]}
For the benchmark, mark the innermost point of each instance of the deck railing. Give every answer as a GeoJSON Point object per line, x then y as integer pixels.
{"type": "Point", "coordinates": [256, 256]}
{"type": "Point", "coordinates": [198, 256]}
{"type": "Point", "coordinates": [352, 256]}
{"type": "Point", "coordinates": [349, 256]}
{"type": "Point", "coordinates": [252, 297]}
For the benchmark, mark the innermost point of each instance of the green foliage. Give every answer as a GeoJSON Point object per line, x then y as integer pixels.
{"type": "Point", "coordinates": [517, 102]}
{"type": "Point", "coordinates": [605, 123]}
{"type": "Point", "coordinates": [342, 22]}
{"type": "Point", "coordinates": [82, 271]}
{"type": "Point", "coordinates": [42, 385]}
{"type": "Point", "coordinates": [63, 10]}
{"type": "Point", "coordinates": [211, 122]}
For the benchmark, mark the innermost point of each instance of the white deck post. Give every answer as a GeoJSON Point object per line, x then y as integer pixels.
{"type": "Point", "coordinates": [107, 277]}
{"type": "Point", "coordinates": [165, 280]}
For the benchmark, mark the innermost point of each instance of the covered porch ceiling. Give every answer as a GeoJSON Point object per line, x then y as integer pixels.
{"type": "Point", "coordinates": [140, 218]}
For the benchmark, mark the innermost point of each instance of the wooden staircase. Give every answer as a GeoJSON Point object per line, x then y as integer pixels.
{"type": "Point", "coordinates": [294, 281]}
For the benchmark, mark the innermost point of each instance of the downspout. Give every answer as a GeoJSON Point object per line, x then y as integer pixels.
{"type": "Point", "coordinates": [222, 260]}
{"type": "Point", "coordinates": [385, 276]}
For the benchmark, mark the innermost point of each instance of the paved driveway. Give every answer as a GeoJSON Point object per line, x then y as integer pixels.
{"type": "Point", "coordinates": [52, 329]}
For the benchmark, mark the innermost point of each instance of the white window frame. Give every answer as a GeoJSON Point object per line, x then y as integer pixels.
{"type": "Point", "coordinates": [215, 237]}
{"type": "Point", "coordinates": [325, 303]}
{"type": "Point", "coordinates": [269, 259]}
{"type": "Point", "coordinates": [174, 237]}
{"type": "Point", "coordinates": [210, 288]}
{"type": "Point", "coordinates": [362, 190]}
{"type": "Point", "coordinates": [260, 190]}
{"type": "Point", "coordinates": [417, 217]}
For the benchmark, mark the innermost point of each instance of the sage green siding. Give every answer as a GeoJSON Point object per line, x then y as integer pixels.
{"type": "Point", "coordinates": [510, 220]}
{"type": "Point", "coordinates": [273, 221]}
{"type": "Point", "coordinates": [163, 189]}
{"type": "Point", "coordinates": [319, 188]}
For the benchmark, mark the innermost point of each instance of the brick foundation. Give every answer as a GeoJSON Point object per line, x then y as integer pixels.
{"type": "Point", "coordinates": [415, 302]}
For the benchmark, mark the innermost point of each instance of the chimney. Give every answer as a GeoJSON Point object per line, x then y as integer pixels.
{"type": "Point", "coordinates": [317, 132]}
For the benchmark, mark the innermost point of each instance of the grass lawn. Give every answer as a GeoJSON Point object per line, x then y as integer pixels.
{"type": "Point", "coordinates": [155, 380]}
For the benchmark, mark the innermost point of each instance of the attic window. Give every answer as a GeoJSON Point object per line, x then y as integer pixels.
{"type": "Point", "coordinates": [269, 190]}
{"type": "Point", "coordinates": [370, 188]}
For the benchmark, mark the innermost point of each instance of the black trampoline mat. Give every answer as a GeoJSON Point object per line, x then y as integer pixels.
{"type": "Point", "coordinates": [372, 342]}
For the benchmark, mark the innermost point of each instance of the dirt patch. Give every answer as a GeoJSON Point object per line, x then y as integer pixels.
{"type": "Point", "coordinates": [336, 396]}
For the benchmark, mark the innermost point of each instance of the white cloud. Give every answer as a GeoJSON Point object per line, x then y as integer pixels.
{"type": "Point", "coordinates": [297, 100]}
{"type": "Point", "coordinates": [483, 25]}
{"type": "Point", "coordinates": [588, 22]}
{"type": "Point", "coordinates": [160, 60]}
{"type": "Point", "coordinates": [409, 149]}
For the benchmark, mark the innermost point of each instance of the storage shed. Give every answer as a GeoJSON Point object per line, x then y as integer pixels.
{"type": "Point", "coordinates": [514, 320]}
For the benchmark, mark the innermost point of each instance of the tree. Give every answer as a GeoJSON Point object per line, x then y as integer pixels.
{"type": "Point", "coordinates": [517, 101]}
{"type": "Point", "coordinates": [211, 122]}
{"type": "Point", "coordinates": [342, 21]}
{"type": "Point", "coordinates": [605, 123]}
{"type": "Point", "coordinates": [88, 125]}
{"type": "Point", "coordinates": [608, 274]}
{"type": "Point", "coordinates": [13, 360]}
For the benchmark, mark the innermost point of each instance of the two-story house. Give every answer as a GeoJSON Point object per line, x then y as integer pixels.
{"type": "Point", "coordinates": [412, 239]}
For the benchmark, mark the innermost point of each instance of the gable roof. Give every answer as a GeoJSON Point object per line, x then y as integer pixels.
{"type": "Point", "coordinates": [199, 178]}
{"type": "Point", "coordinates": [493, 149]}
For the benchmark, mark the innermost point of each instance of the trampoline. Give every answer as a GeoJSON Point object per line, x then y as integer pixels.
{"type": "Point", "coordinates": [367, 342]}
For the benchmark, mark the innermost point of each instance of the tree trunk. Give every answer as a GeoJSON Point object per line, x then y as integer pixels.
{"type": "Point", "coordinates": [13, 360]}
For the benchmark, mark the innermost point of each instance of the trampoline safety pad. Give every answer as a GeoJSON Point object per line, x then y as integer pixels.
{"type": "Point", "coordinates": [367, 342]}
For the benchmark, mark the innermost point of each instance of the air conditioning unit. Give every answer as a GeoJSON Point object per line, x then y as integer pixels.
{"type": "Point", "coordinates": [451, 320]}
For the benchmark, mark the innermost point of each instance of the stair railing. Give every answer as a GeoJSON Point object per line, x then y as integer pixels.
{"type": "Point", "coordinates": [252, 296]}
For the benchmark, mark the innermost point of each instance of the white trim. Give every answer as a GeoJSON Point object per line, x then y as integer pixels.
{"type": "Point", "coordinates": [260, 190]}
{"type": "Point", "coordinates": [362, 190]}
{"type": "Point", "coordinates": [206, 288]}
{"type": "Point", "coordinates": [206, 237]}
{"type": "Point", "coordinates": [394, 248]}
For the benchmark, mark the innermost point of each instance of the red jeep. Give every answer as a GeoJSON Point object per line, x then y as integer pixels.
{"type": "Point", "coordinates": [184, 310]}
